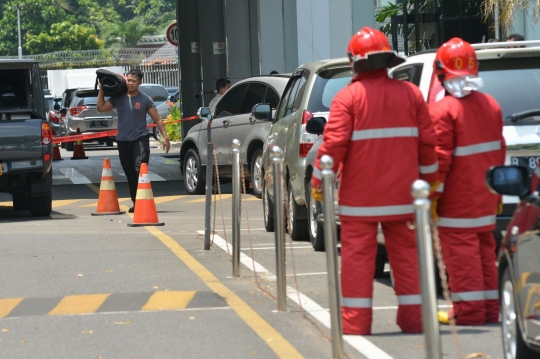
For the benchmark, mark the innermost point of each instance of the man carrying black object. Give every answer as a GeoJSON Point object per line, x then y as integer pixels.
{"type": "Point", "coordinates": [132, 138]}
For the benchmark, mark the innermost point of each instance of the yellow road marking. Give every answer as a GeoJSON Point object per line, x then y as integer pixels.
{"type": "Point", "coordinates": [55, 204]}
{"type": "Point", "coordinates": [266, 332]}
{"type": "Point", "coordinates": [120, 200]}
{"type": "Point", "coordinates": [7, 305]}
{"type": "Point", "coordinates": [77, 304]}
{"type": "Point", "coordinates": [164, 199]}
{"type": "Point", "coordinates": [93, 187]}
{"type": "Point", "coordinates": [169, 300]}
{"type": "Point", "coordinates": [252, 199]}
{"type": "Point", "coordinates": [202, 200]}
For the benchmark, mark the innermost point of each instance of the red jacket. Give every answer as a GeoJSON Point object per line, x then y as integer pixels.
{"type": "Point", "coordinates": [380, 129]}
{"type": "Point", "coordinates": [469, 142]}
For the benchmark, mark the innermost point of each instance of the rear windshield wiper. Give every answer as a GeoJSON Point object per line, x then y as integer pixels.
{"type": "Point", "coordinates": [524, 114]}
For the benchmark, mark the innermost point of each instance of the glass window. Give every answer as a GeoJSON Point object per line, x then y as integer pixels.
{"type": "Point", "coordinates": [411, 73]}
{"type": "Point", "coordinates": [156, 93]}
{"type": "Point", "coordinates": [327, 84]}
{"type": "Point", "coordinates": [272, 98]}
{"type": "Point", "coordinates": [300, 94]}
{"type": "Point", "coordinates": [515, 84]}
{"type": "Point", "coordinates": [230, 103]}
{"type": "Point", "coordinates": [285, 97]}
{"type": "Point", "coordinates": [13, 92]}
{"type": "Point", "coordinates": [292, 97]}
{"type": "Point", "coordinates": [254, 95]}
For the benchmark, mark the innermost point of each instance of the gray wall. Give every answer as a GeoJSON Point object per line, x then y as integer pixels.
{"type": "Point", "coordinates": [238, 39]}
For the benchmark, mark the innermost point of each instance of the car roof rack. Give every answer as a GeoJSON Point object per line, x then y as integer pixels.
{"type": "Point", "coordinates": [505, 44]}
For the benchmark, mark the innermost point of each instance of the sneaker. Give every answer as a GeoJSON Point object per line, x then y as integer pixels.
{"type": "Point", "coordinates": [132, 210]}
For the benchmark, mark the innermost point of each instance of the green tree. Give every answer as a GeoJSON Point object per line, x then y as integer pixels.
{"type": "Point", "coordinates": [63, 36]}
{"type": "Point", "coordinates": [128, 33]}
{"type": "Point", "coordinates": [508, 9]}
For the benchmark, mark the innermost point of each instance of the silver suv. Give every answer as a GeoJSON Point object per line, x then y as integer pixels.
{"type": "Point", "coordinates": [309, 93]}
{"type": "Point", "coordinates": [231, 119]}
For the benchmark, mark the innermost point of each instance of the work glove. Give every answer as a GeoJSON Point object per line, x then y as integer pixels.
{"type": "Point", "coordinates": [434, 215]}
{"type": "Point", "coordinates": [317, 194]}
{"type": "Point", "coordinates": [433, 186]}
{"type": "Point", "coordinates": [499, 208]}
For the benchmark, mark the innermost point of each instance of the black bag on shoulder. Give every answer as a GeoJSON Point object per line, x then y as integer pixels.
{"type": "Point", "coordinates": [112, 83]}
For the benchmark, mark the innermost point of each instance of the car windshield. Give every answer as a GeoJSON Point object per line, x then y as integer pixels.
{"type": "Point", "coordinates": [515, 84]}
{"type": "Point", "coordinates": [327, 84]}
{"type": "Point", "coordinates": [156, 93]}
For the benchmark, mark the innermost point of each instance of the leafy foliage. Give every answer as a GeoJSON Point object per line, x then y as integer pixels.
{"type": "Point", "coordinates": [508, 9]}
{"type": "Point", "coordinates": [174, 130]}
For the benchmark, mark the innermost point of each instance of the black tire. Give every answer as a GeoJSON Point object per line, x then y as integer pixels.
{"type": "Point", "coordinates": [510, 321]}
{"type": "Point", "coordinates": [315, 228]}
{"type": "Point", "coordinates": [109, 143]}
{"type": "Point", "coordinates": [41, 206]}
{"type": "Point", "coordinates": [268, 209]}
{"type": "Point", "coordinates": [380, 262]}
{"type": "Point", "coordinates": [296, 227]}
{"type": "Point", "coordinates": [194, 176]}
{"type": "Point", "coordinates": [70, 146]}
{"type": "Point", "coordinates": [21, 201]}
{"type": "Point", "coordinates": [256, 172]}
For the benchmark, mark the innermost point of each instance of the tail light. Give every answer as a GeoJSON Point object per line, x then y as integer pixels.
{"type": "Point", "coordinates": [77, 110]}
{"type": "Point", "coordinates": [306, 139]}
{"type": "Point", "coordinates": [54, 117]}
{"type": "Point", "coordinates": [46, 134]}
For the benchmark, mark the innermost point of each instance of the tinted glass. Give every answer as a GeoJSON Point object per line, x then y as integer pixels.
{"type": "Point", "coordinates": [285, 99]}
{"type": "Point", "coordinates": [48, 102]}
{"type": "Point", "coordinates": [327, 85]}
{"type": "Point", "coordinates": [411, 73]}
{"type": "Point", "coordinates": [156, 93]}
{"type": "Point", "coordinates": [515, 84]}
{"type": "Point", "coordinates": [254, 95]}
{"type": "Point", "coordinates": [230, 103]}
{"type": "Point", "coordinates": [292, 97]}
{"type": "Point", "coordinates": [301, 89]}
{"type": "Point", "coordinates": [85, 99]}
{"type": "Point", "coordinates": [13, 93]}
{"type": "Point", "coordinates": [272, 98]}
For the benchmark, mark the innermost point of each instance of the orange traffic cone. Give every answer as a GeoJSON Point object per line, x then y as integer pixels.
{"type": "Point", "coordinates": [56, 150]}
{"type": "Point", "coordinates": [145, 207]}
{"type": "Point", "coordinates": [78, 150]}
{"type": "Point", "coordinates": [108, 199]}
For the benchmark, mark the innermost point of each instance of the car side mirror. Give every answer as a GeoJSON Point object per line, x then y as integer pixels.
{"type": "Point", "coordinates": [203, 113]}
{"type": "Point", "coordinates": [262, 111]}
{"type": "Point", "coordinates": [63, 111]}
{"type": "Point", "coordinates": [56, 107]}
{"type": "Point", "coordinates": [316, 125]}
{"type": "Point", "coordinates": [508, 180]}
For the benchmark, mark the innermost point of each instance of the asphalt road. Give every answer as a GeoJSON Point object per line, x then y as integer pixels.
{"type": "Point", "coordinates": [78, 286]}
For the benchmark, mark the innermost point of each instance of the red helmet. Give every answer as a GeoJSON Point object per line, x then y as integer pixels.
{"type": "Point", "coordinates": [369, 49]}
{"type": "Point", "coordinates": [455, 58]}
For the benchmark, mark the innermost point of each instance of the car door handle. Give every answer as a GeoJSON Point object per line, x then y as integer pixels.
{"type": "Point", "coordinates": [227, 122]}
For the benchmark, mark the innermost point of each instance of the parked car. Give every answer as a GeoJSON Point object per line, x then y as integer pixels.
{"type": "Point", "coordinates": [53, 115]}
{"type": "Point", "coordinates": [519, 264]}
{"type": "Point", "coordinates": [172, 90]}
{"type": "Point", "coordinates": [64, 106]}
{"type": "Point", "coordinates": [83, 114]}
{"type": "Point", "coordinates": [163, 110]}
{"type": "Point", "coordinates": [231, 119]}
{"type": "Point", "coordinates": [160, 95]}
{"type": "Point", "coordinates": [308, 94]}
{"type": "Point", "coordinates": [511, 76]}
{"type": "Point", "coordinates": [25, 138]}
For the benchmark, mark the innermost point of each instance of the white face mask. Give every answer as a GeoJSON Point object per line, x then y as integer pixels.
{"type": "Point", "coordinates": [462, 86]}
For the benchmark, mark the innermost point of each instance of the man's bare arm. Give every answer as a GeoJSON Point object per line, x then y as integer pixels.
{"type": "Point", "coordinates": [102, 105]}
{"type": "Point", "coordinates": [159, 123]}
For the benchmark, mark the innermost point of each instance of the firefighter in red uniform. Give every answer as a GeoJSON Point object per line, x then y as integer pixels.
{"type": "Point", "coordinates": [469, 141]}
{"type": "Point", "coordinates": [379, 129]}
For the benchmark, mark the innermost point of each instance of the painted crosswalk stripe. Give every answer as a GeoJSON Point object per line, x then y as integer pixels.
{"type": "Point", "coordinates": [155, 177]}
{"type": "Point", "coordinates": [202, 200]}
{"type": "Point", "coordinates": [77, 304]}
{"type": "Point", "coordinates": [74, 176]}
{"type": "Point", "coordinates": [7, 305]}
{"type": "Point", "coordinates": [169, 300]}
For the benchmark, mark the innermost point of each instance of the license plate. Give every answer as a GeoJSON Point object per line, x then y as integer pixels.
{"type": "Point", "coordinates": [99, 124]}
{"type": "Point", "coordinates": [530, 162]}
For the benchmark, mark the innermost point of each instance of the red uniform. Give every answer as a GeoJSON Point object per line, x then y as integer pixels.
{"type": "Point", "coordinates": [380, 130]}
{"type": "Point", "coordinates": [470, 141]}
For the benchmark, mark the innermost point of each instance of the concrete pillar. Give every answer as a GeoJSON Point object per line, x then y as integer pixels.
{"type": "Point", "coordinates": [189, 58]}
{"type": "Point", "coordinates": [238, 39]}
{"type": "Point", "coordinates": [271, 36]}
{"type": "Point", "coordinates": [363, 14]}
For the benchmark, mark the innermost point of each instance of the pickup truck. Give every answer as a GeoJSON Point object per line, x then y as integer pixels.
{"type": "Point", "coordinates": [25, 138]}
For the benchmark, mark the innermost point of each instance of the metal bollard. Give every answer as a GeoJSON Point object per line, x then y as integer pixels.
{"type": "Point", "coordinates": [279, 226]}
{"type": "Point", "coordinates": [236, 207]}
{"type": "Point", "coordinates": [420, 191]}
{"type": "Point", "coordinates": [209, 178]}
{"type": "Point", "coordinates": [330, 241]}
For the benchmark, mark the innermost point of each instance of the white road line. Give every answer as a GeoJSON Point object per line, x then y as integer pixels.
{"type": "Point", "coordinates": [360, 343]}
{"type": "Point", "coordinates": [74, 176]}
{"type": "Point", "coordinates": [155, 177]}
{"type": "Point", "coordinates": [315, 273]}
{"type": "Point", "coordinates": [242, 229]}
{"type": "Point", "coordinates": [299, 247]}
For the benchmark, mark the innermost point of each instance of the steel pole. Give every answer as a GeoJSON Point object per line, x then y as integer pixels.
{"type": "Point", "coordinates": [236, 208]}
{"type": "Point", "coordinates": [420, 191]}
{"type": "Point", "coordinates": [330, 241]}
{"type": "Point", "coordinates": [279, 228]}
{"type": "Point", "coordinates": [19, 27]}
{"type": "Point", "coordinates": [209, 175]}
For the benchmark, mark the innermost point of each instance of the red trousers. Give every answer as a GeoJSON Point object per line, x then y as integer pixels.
{"type": "Point", "coordinates": [358, 254]}
{"type": "Point", "coordinates": [470, 263]}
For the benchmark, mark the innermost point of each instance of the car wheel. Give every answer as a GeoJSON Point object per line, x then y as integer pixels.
{"type": "Point", "coordinates": [21, 201]}
{"type": "Point", "coordinates": [194, 178]}
{"type": "Point", "coordinates": [514, 346]}
{"type": "Point", "coordinates": [297, 228]}
{"type": "Point", "coordinates": [256, 172]}
{"type": "Point", "coordinates": [70, 146]}
{"type": "Point", "coordinates": [316, 229]}
{"type": "Point", "coordinates": [156, 134]}
{"type": "Point", "coordinates": [268, 209]}
{"type": "Point", "coordinates": [41, 206]}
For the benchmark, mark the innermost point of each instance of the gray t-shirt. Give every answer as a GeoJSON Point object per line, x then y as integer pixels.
{"type": "Point", "coordinates": [131, 115]}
